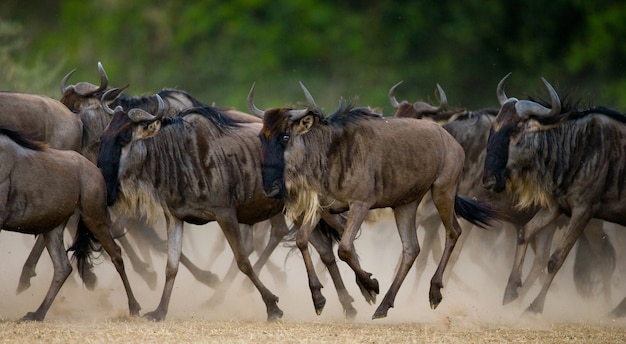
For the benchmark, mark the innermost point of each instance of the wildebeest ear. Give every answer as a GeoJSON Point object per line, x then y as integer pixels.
{"type": "Point", "coordinates": [304, 124]}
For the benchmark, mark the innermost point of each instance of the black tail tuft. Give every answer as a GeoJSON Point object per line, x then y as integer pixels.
{"type": "Point", "coordinates": [83, 247]}
{"type": "Point", "coordinates": [328, 231]}
{"type": "Point", "coordinates": [475, 212]}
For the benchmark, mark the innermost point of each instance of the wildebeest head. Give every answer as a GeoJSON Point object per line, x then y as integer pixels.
{"type": "Point", "coordinates": [125, 126]}
{"type": "Point", "coordinates": [73, 96]}
{"type": "Point", "coordinates": [279, 127]}
{"type": "Point", "coordinates": [419, 109]}
{"type": "Point", "coordinates": [509, 125]}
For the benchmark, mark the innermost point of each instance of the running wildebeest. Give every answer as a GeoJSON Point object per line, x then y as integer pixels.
{"type": "Point", "coordinates": [43, 188]}
{"type": "Point", "coordinates": [197, 167]}
{"type": "Point", "coordinates": [566, 160]}
{"type": "Point", "coordinates": [595, 255]}
{"type": "Point", "coordinates": [87, 123]}
{"type": "Point", "coordinates": [357, 160]}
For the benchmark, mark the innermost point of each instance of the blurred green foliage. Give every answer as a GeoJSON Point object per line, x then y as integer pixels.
{"type": "Point", "coordinates": [217, 49]}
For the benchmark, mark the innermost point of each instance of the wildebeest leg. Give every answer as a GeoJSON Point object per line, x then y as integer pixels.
{"type": "Point", "coordinates": [324, 246]}
{"type": "Point", "coordinates": [278, 231]}
{"type": "Point", "coordinates": [358, 212]}
{"type": "Point", "coordinates": [405, 220]}
{"type": "Point", "coordinates": [541, 244]}
{"type": "Point", "coordinates": [53, 241]}
{"type": "Point", "coordinates": [246, 248]}
{"type": "Point", "coordinates": [203, 276]}
{"type": "Point", "coordinates": [541, 219]}
{"type": "Point", "coordinates": [99, 227]}
{"type": "Point", "coordinates": [431, 245]}
{"type": "Point", "coordinates": [595, 254]}
{"type": "Point", "coordinates": [227, 220]}
{"type": "Point", "coordinates": [174, 248]}
{"type": "Point", "coordinates": [143, 269]}
{"type": "Point", "coordinates": [443, 196]}
{"type": "Point", "coordinates": [28, 270]}
{"type": "Point", "coordinates": [302, 241]}
{"type": "Point", "coordinates": [578, 221]}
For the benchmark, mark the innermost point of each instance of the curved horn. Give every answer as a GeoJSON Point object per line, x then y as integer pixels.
{"type": "Point", "coordinates": [105, 98]}
{"type": "Point", "coordinates": [309, 98]}
{"type": "Point", "coordinates": [255, 111]}
{"type": "Point", "coordinates": [527, 107]}
{"type": "Point", "coordinates": [161, 107]}
{"type": "Point", "coordinates": [554, 97]}
{"type": "Point", "coordinates": [64, 81]}
{"type": "Point", "coordinates": [104, 80]}
{"type": "Point", "coordinates": [392, 98]}
{"type": "Point", "coordinates": [502, 98]}
{"type": "Point", "coordinates": [443, 100]}
{"type": "Point", "coordinates": [140, 115]}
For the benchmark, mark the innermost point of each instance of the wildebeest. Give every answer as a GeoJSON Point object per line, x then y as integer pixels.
{"type": "Point", "coordinates": [84, 99]}
{"type": "Point", "coordinates": [42, 188]}
{"type": "Point", "coordinates": [357, 160]}
{"type": "Point", "coordinates": [471, 129]}
{"type": "Point", "coordinates": [566, 160]}
{"type": "Point", "coordinates": [198, 166]}
{"type": "Point", "coordinates": [88, 105]}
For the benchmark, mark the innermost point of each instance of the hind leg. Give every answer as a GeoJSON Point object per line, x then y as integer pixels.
{"type": "Point", "coordinates": [405, 220]}
{"type": "Point", "coordinates": [99, 227]}
{"type": "Point", "coordinates": [54, 243]}
{"type": "Point", "coordinates": [28, 270]}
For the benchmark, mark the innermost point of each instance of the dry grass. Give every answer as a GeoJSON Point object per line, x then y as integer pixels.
{"type": "Point", "coordinates": [470, 312]}
{"type": "Point", "coordinates": [235, 331]}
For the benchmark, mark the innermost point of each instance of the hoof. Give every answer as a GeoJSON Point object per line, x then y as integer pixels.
{"type": "Point", "coordinates": [154, 316]}
{"type": "Point", "coordinates": [350, 313]}
{"type": "Point", "coordinates": [509, 296]}
{"type": "Point", "coordinates": [274, 316]}
{"type": "Point", "coordinates": [33, 316]}
{"type": "Point", "coordinates": [319, 306]}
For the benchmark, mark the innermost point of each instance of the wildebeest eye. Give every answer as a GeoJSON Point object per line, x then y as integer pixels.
{"type": "Point", "coordinates": [284, 138]}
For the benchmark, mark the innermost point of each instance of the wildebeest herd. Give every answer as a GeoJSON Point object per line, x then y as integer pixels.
{"type": "Point", "coordinates": [107, 166]}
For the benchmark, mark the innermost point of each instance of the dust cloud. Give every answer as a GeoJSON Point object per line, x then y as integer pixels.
{"type": "Point", "coordinates": [472, 297]}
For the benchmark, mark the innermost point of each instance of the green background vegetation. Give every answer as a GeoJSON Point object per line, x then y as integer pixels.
{"type": "Point", "coordinates": [216, 49]}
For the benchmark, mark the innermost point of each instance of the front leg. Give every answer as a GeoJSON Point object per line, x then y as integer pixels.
{"type": "Point", "coordinates": [358, 212]}
{"type": "Point", "coordinates": [302, 241]}
{"type": "Point", "coordinates": [174, 248]}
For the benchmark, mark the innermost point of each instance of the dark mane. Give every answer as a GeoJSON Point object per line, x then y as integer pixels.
{"type": "Point", "coordinates": [573, 110]}
{"type": "Point", "coordinates": [348, 113]}
{"type": "Point", "coordinates": [212, 114]}
{"type": "Point", "coordinates": [170, 92]}
{"type": "Point", "coordinates": [23, 139]}
{"type": "Point", "coordinates": [142, 102]}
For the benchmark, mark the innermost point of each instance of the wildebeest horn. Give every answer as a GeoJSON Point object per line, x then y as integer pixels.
{"type": "Point", "coordinates": [443, 100]}
{"type": "Point", "coordinates": [87, 89]}
{"type": "Point", "coordinates": [255, 111]}
{"type": "Point", "coordinates": [139, 115]}
{"type": "Point", "coordinates": [104, 80]}
{"type": "Point", "coordinates": [527, 107]}
{"type": "Point", "coordinates": [109, 95]}
{"type": "Point", "coordinates": [161, 105]}
{"type": "Point", "coordinates": [64, 81]}
{"type": "Point", "coordinates": [502, 98]}
{"type": "Point", "coordinates": [392, 98]}
{"type": "Point", "coordinates": [309, 98]}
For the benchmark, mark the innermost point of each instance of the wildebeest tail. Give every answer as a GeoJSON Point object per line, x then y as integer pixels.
{"type": "Point", "coordinates": [589, 266]}
{"type": "Point", "coordinates": [475, 212]}
{"type": "Point", "coordinates": [83, 247]}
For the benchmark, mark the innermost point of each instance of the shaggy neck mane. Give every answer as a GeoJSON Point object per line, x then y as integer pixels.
{"type": "Point", "coordinates": [348, 113]}
{"type": "Point", "coordinates": [555, 154]}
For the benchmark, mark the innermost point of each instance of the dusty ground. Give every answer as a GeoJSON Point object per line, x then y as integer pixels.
{"type": "Point", "coordinates": [470, 312]}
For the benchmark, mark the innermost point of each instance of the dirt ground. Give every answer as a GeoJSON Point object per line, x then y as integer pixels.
{"type": "Point", "coordinates": [471, 310]}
